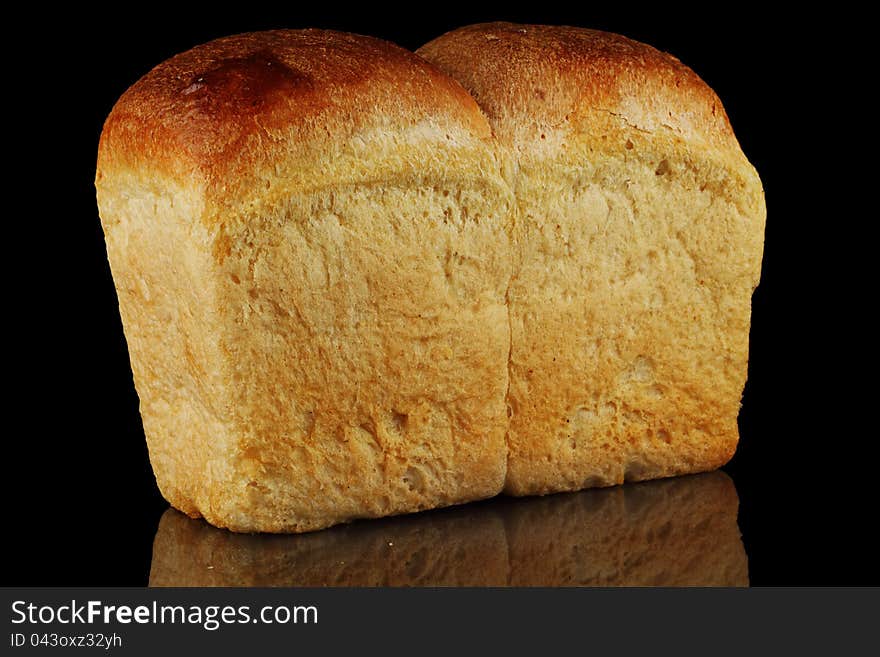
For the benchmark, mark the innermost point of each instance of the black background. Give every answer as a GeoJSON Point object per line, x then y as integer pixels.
{"type": "Point", "coordinates": [82, 505]}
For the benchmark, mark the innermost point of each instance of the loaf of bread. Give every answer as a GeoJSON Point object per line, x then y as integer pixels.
{"type": "Point", "coordinates": [673, 532]}
{"type": "Point", "coordinates": [349, 292]}
{"type": "Point", "coordinates": [309, 237]}
{"type": "Point", "coordinates": [638, 246]}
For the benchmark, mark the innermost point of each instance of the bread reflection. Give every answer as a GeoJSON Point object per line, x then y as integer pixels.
{"type": "Point", "coordinates": [675, 532]}
{"type": "Point", "coordinates": [669, 532]}
{"type": "Point", "coordinates": [462, 546]}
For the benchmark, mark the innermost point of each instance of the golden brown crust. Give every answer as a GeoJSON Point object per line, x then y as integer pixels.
{"type": "Point", "coordinates": [222, 107]}
{"type": "Point", "coordinates": [533, 78]}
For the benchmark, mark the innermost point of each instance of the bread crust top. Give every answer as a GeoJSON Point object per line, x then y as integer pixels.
{"type": "Point", "coordinates": [535, 79]}
{"type": "Point", "coordinates": [229, 105]}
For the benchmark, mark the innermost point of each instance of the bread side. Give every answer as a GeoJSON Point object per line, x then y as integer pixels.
{"type": "Point", "coordinates": [639, 245]}
{"type": "Point", "coordinates": [168, 300]}
{"type": "Point", "coordinates": [309, 236]}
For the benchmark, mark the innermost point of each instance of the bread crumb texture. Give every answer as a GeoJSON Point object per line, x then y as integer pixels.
{"type": "Point", "coordinates": [347, 293]}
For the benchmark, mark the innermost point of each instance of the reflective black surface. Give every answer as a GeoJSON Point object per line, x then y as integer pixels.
{"type": "Point", "coordinates": [674, 532]}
